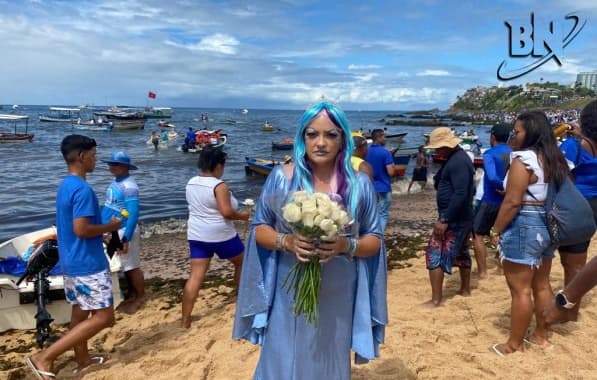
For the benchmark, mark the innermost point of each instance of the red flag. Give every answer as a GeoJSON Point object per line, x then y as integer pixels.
{"type": "Point", "coordinates": [151, 95]}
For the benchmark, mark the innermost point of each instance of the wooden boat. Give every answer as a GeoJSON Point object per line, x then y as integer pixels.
{"type": "Point", "coordinates": [61, 115]}
{"type": "Point", "coordinates": [157, 112]}
{"type": "Point", "coordinates": [477, 161]}
{"type": "Point", "coordinates": [286, 144]}
{"type": "Point", "coordinates": [258, 166]}
{"type": "Point", "coordinates": [12, 137]}
{"type": "Point", "coordinates": [123, 120]}
{"type": "Point", "coordinates": [401, 159]}
{"type": "Point", "coordinates": [17, 303]}
{"type": "Point", "coordinates": [267, 127]}
{"type": "Point", "coordinates": [94, 125]}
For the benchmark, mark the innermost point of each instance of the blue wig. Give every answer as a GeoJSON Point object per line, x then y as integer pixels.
{"type": "Point", "coordinates": [348, 187]}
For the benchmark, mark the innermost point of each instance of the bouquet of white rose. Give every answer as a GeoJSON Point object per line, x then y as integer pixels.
{"type": "Point", "coordinates": [316, 217]}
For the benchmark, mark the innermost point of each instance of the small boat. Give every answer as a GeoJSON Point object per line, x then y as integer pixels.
{"type": "Point", "coordinates": [286, 144]}
{"type": "Point", "coordinates": [477, 161]}
{"type": "Point", "coordinates": [165, 124]}
{"type": "Point", "coordinates": [157, 112]}
{"type": "Point", "coordinates": [11, 137]}
{"type": "Point", "coordinates": [267, 127]}
{"type": "Point", "coordinates": [122, 120]}
{"type": "Point", "coordinates": [401, 159]}
{"type": "Point", "coordinates": [94, 124]}
{"type": "Point", "coordinates": [17, 304]}
{"type": "Point", "coordinates": [244, 111]}
{"type": "Point", "coordinates": [204, 138]}
{"type": "Point", "coordinates": [61, 115]}
{"type": "Point", "coordinates": [259, 166]}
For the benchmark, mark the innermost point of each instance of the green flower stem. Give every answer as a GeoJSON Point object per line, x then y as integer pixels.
{"type": "Point", "coordinates": [305, 279]}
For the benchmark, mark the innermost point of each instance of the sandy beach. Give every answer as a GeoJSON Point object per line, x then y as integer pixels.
{"type": "Point", "coordinates": [449, 342]}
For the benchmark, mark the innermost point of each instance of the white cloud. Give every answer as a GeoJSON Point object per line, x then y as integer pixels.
{"type": "Point", "coordinates": [363, 67]}
{"type": "Point", "coordinates": [433, 73]}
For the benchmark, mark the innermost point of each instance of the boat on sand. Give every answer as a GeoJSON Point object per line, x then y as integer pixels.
{"type": "Point", "coordinates": [17, 304]}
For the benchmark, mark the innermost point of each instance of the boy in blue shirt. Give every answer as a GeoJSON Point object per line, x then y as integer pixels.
{"type": "Point", "coordinates": [495, 164]}
{"type": "Point", "coordinates": [382, 163]}
{"type": "Point", "coordinates": [87, 276]}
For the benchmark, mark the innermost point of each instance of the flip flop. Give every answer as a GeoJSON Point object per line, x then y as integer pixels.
{"type": "Point", "coordinates": [496, 350]}
{"type": "Point", "coordinates": [39, 374]}
{"type": "Point", "coordinates": [543, 347]}
{"type": "Point", "coordinates": [95, 360]}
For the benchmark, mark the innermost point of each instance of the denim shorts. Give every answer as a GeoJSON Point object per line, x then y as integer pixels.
{"type": "Point", "coordinates": [526, 240]}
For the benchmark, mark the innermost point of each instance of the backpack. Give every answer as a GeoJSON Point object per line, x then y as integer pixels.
{"type": "Point", "coordinates": [569, 216]}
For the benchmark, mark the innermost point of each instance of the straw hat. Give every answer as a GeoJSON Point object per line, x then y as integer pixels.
{"type": "Point", "coordinates": [442, 137]}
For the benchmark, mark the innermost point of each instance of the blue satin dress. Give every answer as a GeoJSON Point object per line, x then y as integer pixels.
{"type": "Point", "coordinates": [352, 307]}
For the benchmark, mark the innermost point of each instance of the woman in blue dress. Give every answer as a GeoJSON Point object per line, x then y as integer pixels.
{"type": "Point", "coordinates": [352, 302]}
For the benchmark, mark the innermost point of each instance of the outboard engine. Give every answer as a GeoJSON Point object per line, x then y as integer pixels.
{"type": "Point", "coordinates": [42, 260]}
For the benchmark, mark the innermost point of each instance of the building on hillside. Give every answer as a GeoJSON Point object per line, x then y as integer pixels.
{"type": "Point", "coordinates": [587, 79]}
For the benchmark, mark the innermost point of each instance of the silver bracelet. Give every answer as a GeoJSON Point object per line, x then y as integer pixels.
{"type": "Point", "coordinates": [352, 247]}
{"type": "Point", "coordinates": [279, 239]}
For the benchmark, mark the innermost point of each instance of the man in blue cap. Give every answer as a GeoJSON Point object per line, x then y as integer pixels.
{"type": "Point", "coordinates": [123, 194]}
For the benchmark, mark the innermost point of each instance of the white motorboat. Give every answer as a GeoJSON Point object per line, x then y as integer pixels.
{"type": "Point", "coordinates": [17, 302]}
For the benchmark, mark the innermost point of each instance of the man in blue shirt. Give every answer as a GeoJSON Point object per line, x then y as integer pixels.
{"type": "Point", "coordinates": [123, 194]}
{"type": "Point", "coordinates": [382, 163]}
{"type": "Point", "coordinates": [87, 276]}
{"type": "Point", "coordinates": [495, 164]}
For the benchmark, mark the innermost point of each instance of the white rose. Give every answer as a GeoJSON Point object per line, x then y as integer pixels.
{"type": "Point", "coordinates": [308, 219]}
{"type": "Point", "coordinates": [324, 208]}
{"type": "Point", "coordinates": [309, 205]}
{"type": "Point", "coordinates": [291, 213]}
{"type": "Point", "coordinates": [300, 196]}
{"type": "Point", "coordinates": [336, 210]}
{"type": "Point", "coordinates": [343, 218]}
{"type": "Point", "coordinates": [317, 220]}
{"type": "Point", "coordinates": [321, 197]}
{"type": "Point", "coordinates": [327, 225]}
{"type": "Point", "coordinates": [249, 202]}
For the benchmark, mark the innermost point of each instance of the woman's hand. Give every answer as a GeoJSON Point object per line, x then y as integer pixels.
{"type": "Point", "coordinates": [330, 248]}
{"type": "Point", "coordinates": [302, 247]}
{"type": "Point", "coordinates": [244, 214]}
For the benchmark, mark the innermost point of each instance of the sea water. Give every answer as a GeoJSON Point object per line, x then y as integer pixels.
{"type": "Point", "coordinates": [30, 172]}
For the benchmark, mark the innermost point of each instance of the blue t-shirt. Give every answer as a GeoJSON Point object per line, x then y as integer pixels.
{"type": "Point", "coordinates": [123, 193]}
{"type": "Point", "coordinates": [78, 256]}
{"type": "Point", "coordinates": [495, 164]}
{"type": "Point", "coordinates": [585, 167]}
{"type": "Point", "coordinates": [379, 157]}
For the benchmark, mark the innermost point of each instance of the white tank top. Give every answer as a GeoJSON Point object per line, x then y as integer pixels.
{"type": "Point", "coordinates": [539, 188]}
{"type": "Point", "coordinates": [206, 223]}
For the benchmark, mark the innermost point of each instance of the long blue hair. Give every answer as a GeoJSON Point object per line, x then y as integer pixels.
{"type": "Point", "coordinates": [302, 179]}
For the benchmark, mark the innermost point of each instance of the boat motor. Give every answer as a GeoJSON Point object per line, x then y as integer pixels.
{"type": "Point", "coordinates": [42, 260]}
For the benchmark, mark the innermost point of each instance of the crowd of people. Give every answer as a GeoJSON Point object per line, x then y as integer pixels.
{"type": "Point", "coordinates": [524, 159]}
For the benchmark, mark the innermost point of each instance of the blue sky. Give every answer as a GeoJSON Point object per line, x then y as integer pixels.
{"type": "Point", "coordinates": [364, 55]}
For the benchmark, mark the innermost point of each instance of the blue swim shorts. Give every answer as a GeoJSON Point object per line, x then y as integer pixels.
{"type": "Point", "coordinates": [526, 240]}
{"type": "Point", "coordinates": [453, 250]}
{"type": "Point", "coordinates": [224, 249]}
